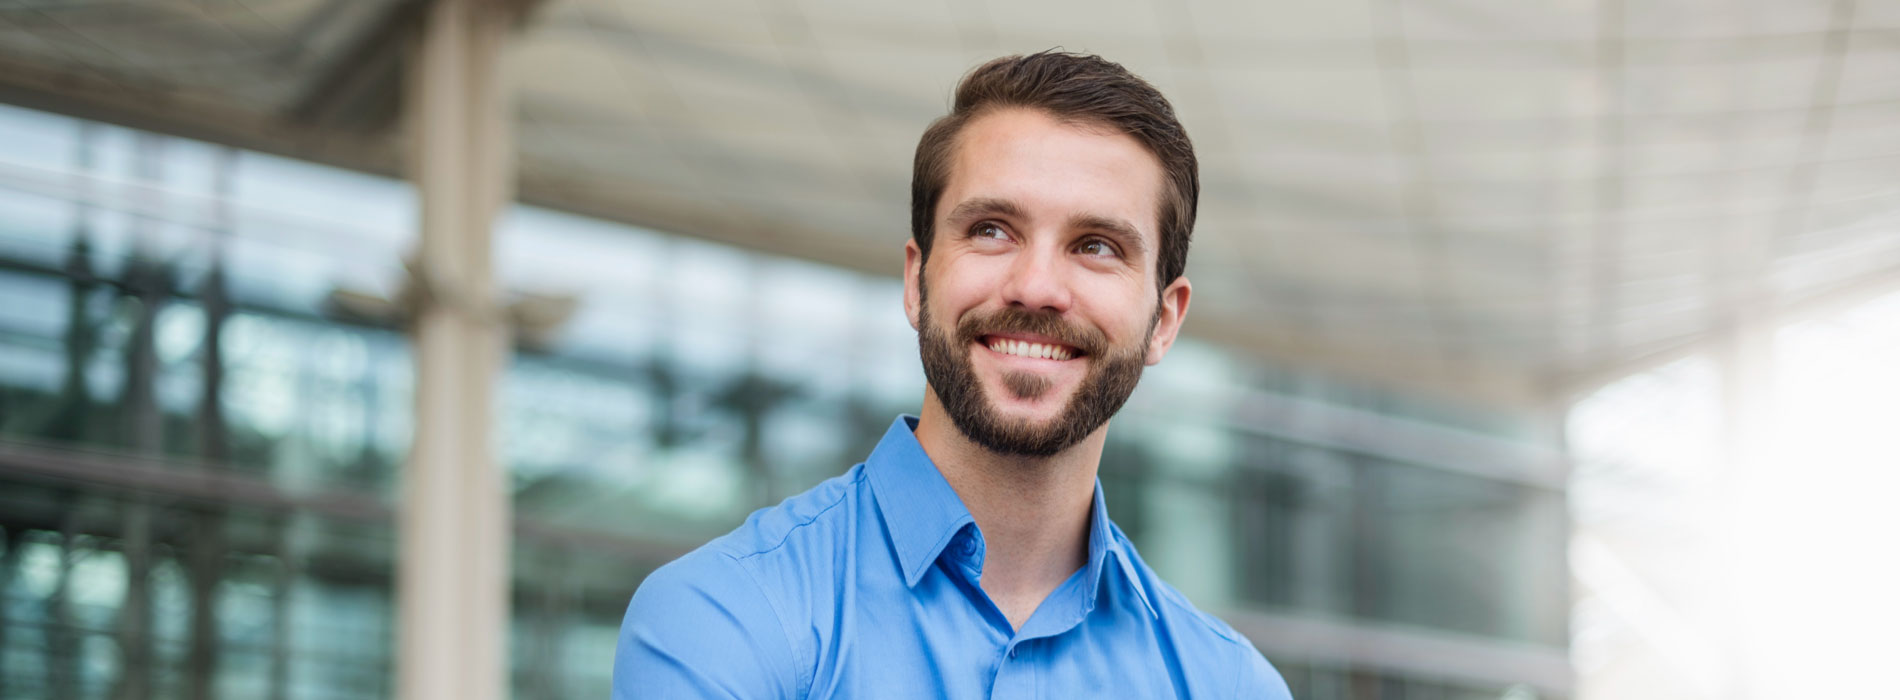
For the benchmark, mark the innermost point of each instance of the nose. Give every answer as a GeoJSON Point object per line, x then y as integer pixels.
{"type": "Point", "coordinates": [1037, 280]}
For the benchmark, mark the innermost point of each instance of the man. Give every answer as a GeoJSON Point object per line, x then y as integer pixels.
{"type": "Point", "coordinates": [971, 555]}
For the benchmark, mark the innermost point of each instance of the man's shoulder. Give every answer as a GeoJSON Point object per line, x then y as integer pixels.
{"type": "Point", "coordinates": [815, 514]}
{"type": "Point", "coordinates": [776, 551]}
{"type": "Point", "coordinates": [743, 592]}
{"type": "Point", "coordinates": [738, 563]}
{"type": "Point", "coordinates": [691, 617]}
{"type": "Point", "coordinates": [1174, 606]}
{"type": "Point", "coordinates": [1209, 637]}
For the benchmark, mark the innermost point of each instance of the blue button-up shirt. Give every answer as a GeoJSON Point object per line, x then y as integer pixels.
{"type": "Point", "coordinates": [866, 586]}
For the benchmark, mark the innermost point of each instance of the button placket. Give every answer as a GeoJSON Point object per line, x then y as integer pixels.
{"type": "Point", "coordinates": [1015, 678]}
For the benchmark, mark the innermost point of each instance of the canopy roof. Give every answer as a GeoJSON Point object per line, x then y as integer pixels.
{"type": "Point", "coordinates": [1495, 200]}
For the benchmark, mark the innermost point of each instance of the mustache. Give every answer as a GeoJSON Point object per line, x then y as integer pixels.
{"type": "Point", "coordinates": [1044, 323]}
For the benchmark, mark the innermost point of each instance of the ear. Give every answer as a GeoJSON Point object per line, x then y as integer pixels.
{"type": "Point", "coordinates": [1174, 308]}
{"type": "Point", "coordinates": [913, 279]}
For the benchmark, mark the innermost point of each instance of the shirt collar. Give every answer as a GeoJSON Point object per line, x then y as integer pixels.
{"type": "Point", "coordinates": [923, 514]}
{"type": "Point", "coordinates": [920, 509]}
{"type": "Point", "coordinates": [1106, 542]}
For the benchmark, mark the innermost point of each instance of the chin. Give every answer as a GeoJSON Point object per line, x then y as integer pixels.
{"type": "Point", "coordinates": [1040, 410]}
{"type": "Point", "coordinates": [1038, 420]}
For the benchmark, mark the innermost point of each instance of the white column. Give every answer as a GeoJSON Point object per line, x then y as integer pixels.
{"type": "Point", "coordinates": [1746, 362]}
{"type": "Point", "coordinates": [452, 572]}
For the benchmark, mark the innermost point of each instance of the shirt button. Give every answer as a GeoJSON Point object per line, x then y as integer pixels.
{"type": "Point", "coordinates": [968, 547]}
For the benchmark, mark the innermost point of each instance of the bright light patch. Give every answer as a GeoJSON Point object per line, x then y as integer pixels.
{"type": "Point", "coordinates": [1742, 539]}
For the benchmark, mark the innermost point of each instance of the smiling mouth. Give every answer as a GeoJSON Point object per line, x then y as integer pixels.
{"type": "Point", "coordinates": [1023, 348]}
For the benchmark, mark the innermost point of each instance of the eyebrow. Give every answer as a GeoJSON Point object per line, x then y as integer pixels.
{"type": "Point", "coordinates": [985, 206]}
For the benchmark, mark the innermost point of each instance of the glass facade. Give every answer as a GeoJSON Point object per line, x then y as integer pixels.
{"type": "Point", "coordinates": [201, 442]}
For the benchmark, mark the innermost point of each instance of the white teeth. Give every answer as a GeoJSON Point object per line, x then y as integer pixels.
{"type": "Point", "coordinates": [1023, 349]}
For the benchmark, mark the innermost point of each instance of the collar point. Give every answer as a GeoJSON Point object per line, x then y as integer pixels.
{"type": "Point", "coordinates": [914, 573]}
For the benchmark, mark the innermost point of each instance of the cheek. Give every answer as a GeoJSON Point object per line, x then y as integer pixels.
{"type": "Point", "coordinates": [964, 284]}
{"type": "Point", "coordinates": [1121, 312]}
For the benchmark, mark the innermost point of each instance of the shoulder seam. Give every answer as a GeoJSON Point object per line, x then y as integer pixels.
{"type": "Point", "coordinates": [780, 542]}
{"type": "Point", "coordinates": [1162, 595]}
{"type": "Point", "coordinates": [1203, 617]}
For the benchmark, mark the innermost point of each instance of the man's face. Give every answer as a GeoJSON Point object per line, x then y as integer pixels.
{"type": "Point", "coordinates": [1037, 308]}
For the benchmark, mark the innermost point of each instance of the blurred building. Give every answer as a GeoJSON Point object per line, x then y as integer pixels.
{"type": "Point", "coordinates": [202, 447]}
{"type": "Point", "coordinates": [1427, 233]}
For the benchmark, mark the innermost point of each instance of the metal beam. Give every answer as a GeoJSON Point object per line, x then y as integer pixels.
{"type": "Point", "coordinates": [201, 483]}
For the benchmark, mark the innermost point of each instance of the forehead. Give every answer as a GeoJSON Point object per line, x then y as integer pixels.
{"type": "Point", "coordinates": [1056, 169]}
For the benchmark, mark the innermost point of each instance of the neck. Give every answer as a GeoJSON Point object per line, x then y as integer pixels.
{"type": "Point", "coordinates": [1033, 511]}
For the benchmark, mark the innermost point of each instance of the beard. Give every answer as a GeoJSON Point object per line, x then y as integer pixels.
{"type": "Point", "coordinates": [1111, 378]}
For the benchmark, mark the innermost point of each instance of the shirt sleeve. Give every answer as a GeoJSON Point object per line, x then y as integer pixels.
{"type": "Point", "coordinates": [700, 627]}
{"type": "Point", "coordinates": [1257, 678]}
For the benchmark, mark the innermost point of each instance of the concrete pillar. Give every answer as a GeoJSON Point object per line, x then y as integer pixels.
{"type": "Point", "coordinates": [452, 575]}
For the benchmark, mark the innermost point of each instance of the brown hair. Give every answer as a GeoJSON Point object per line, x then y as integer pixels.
{"type": "Point", "coordinates": [1076, 88]}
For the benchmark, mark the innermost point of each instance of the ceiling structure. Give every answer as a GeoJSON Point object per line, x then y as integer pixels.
{"type": "Point", "coordinates": [1500, 201]}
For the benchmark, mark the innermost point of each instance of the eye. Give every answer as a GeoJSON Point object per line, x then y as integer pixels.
{"type": "Point", "coordinates": [988, 230]}
{"type": "Point", "coordinates": [1097, 247]}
